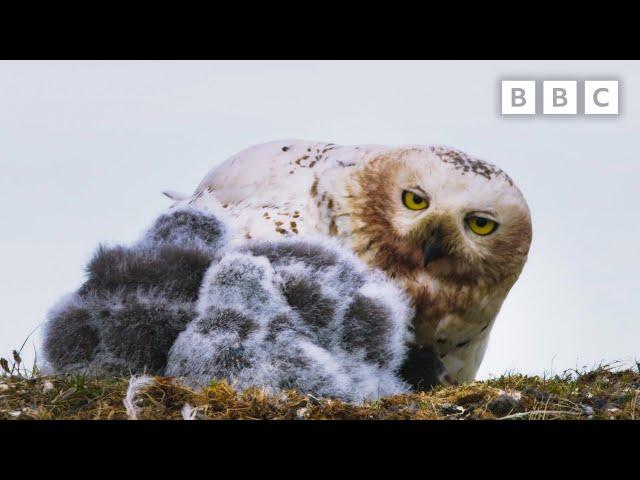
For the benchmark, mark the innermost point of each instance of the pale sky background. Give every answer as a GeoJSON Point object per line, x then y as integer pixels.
{"type": "Point", "coordinates": [87, 147]}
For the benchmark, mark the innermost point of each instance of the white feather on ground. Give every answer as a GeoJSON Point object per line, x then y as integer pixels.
{"type": "Point", "coordinates": [136, 385]}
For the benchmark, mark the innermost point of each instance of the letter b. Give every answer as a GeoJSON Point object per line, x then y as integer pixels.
{"type": "Point", "coordinates": [560, 97]}
{"type": "Point", "coordinates": [518, 97]}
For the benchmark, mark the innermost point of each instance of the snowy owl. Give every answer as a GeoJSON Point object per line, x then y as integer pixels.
{"type": "Point", "coordinates": [453, 231]}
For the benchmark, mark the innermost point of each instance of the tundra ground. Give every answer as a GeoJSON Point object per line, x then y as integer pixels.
{"type": "Point", "coordinates": [602, 393]}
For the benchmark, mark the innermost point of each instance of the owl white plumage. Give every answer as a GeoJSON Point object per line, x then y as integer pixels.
{"type": "Point", "coordinates": [451, 230]}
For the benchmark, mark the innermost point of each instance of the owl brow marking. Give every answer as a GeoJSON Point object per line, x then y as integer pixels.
{"type": "Point", "coordinates": [424, 194]}
{"type": "Point", "coordinates": [463, 162]}
{"type": "Point", "coordinates": [483, 212]}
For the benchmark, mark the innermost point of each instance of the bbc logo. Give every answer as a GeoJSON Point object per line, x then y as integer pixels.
{"type": "Point", "coordinates": [560, 97]}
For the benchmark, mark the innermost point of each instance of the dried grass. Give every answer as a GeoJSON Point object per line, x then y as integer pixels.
{"type": "Point", "coordinates": [603, 393]}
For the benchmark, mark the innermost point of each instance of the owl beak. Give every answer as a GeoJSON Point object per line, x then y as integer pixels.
{"type": "Point", "coordinates": [431, 252]}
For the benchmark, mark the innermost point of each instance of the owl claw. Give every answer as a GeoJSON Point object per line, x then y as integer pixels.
{"type": "Point", "coordinates": [446, 379]}
{"type": "Point", "coordinates": [423, 369]}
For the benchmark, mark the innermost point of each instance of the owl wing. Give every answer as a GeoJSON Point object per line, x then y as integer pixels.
{"type": "Point", "coordinates": [261, 170]}
{"type": "Point", "coordinates": [277, 168]}
{"type": "Point", "coordinates": [268, 189]}
{"type": "Point", "coordinates": [264, 189]}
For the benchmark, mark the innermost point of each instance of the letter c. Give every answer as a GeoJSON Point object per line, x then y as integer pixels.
{"type": "Point", "coordinates": [595, 97]}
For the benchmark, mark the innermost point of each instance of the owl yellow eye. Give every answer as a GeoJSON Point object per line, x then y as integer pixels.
{"type": "Point", "coordinates": [481, 226]}
{"type": "Point", "coordinates": [413, 201]}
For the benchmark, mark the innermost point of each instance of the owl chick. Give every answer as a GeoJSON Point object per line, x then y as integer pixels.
{"type": "Point", "coordinates": [453, 231]}
{"type": "Point", "coordinates": [136, 300]}
{"type": "Point", "coordinates": [300, 314]}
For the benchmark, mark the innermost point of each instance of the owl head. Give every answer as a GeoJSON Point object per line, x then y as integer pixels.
{"type": "Point", "coordinates": [434, 212]}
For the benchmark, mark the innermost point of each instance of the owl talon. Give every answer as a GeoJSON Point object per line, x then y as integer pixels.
{"type": "Point", "coordinates": [423, 369]}
{"type": "Point", "coordinates": [446, 379]}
